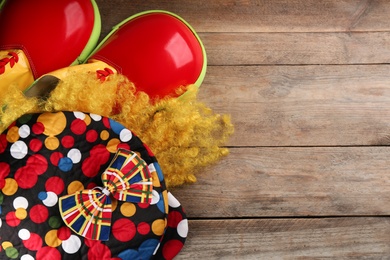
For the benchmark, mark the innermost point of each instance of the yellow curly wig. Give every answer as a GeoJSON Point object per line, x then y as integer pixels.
{"type": "Point", "coordinates": [183, 133]}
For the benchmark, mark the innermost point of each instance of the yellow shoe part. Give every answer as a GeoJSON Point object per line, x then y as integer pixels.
{"type": "Point", "coordinates": [15, 71]}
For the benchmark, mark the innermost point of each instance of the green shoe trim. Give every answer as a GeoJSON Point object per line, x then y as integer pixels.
{"type": "Point", "coordinates": [93, 39]}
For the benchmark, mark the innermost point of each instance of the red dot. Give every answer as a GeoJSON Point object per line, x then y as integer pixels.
{"type": "Point", "coordinates": [97, 250]}
{"type": "Point", "coordinates": [35, 145]}
{"type": "Point", "coordinates": [37, 163]}
{"type": "Point", "coordinates": [55, 184]}
{"type": "Point", "coordinates": [4, 170]}
{"type": "Point", "coordinates": [174, 218]}
{"type": "Point", "coordinates": [48, 253]}
{"type": "Point", "coordinates": [90, 168]}
{"type": "Point", "coordinates": [124, 146]}
{"type": "Point", "coordinates": [11, 219]}
{"type": "Point", "coordinates": [143, 205]}
{"type": "Point", "coordinates": [92, 136]}
{"type": "Point", "coordinates": [101, 152]}
{"type": "Point", "coordinates": [123, 230]}
{"type": "Point", "coordinates": [25, 178]}
{"type": "Point", "coordinates": [38, 128]}
{"type": "Point", "coordinates": [55, 158]}
{"type": "Point", "coordinates": [143, 228]}
{"type": "Point", "coordinates": [67, 141]}
{"type": "Point", "coordinates": [3, 142]}
{"type": "Point", "coordinates": [106, 122]}
{"type": "Point", "coordinates": [63, 233]}
{"type": "Point", "coordinates": [39, 214]}
{"type": "Point", "coordinates": [91, 185]}
{"type": "Point", "coordinates": [78, 126]}
{"type": "Point", "coordinates": [172, 248]}
{"type": "Point", "coordinates": [34, 243]}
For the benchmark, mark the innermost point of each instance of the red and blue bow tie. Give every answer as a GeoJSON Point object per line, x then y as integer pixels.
{"type": "Point", "coordinates": [88, 212]}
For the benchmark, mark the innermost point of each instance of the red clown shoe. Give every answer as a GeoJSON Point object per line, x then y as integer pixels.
{"type": "Point", "coordinates": [37, 37]}
{"type": "Point", "coordinates": [156, 50]}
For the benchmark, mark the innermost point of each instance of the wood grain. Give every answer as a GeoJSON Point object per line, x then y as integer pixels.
{"type": "Point", "coordinates": [297, 48]}
{"type": "Point", "coordinates": [297, 181]}
{"type": "Point", "coordinates": [260, 16]}
{"type": "Point", "coordinates": [330, 238]}
{"type": "Point", "coordinates": [302, 105]}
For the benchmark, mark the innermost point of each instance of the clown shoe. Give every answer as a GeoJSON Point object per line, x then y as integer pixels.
{"type": "Point", "coordinates": [156, 50]}
{"type": "Point", "coordinates": [44, 35]}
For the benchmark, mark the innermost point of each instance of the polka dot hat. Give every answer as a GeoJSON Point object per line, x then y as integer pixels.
{"type": "Point", "coordinates": [82, 186]}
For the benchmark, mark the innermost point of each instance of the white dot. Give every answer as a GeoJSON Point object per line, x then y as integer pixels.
{"type": "Point", "coordinates": [20, 202]}
{"type": "Point", "coordinates": [0, 222]}
{"type": "Point", "coordinates": [24, 234]}
{"type": "Point", "coordinates": [155, 197]}
{"type": "Point", "coordinates": [75, 155]}
{"type": "Point", "coordinates": [27, 257]}
{"type": "Point", "coordinates": [151, 168]}
{"type": "Point", "coordinates": [172, 201]}
{"type": "Point", "coordinates": [96, 117]}
{"type": "Point", "coordinates": [79, 115]}
{"type": "Point", "coordinates": [125, 135]}
{"type": "Point", "coordinates": [182, 228]}
{"type": "Point", "coordinates": [24, 131]}
{"type": "Point", "coordinates": [71, 245]}
{"type": "Point", "coordinates": [51, 199]}
{"type": "Point", "coordinates": [18, 150]}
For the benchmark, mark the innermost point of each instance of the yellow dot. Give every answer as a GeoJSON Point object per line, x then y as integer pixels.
{"type": "Point", "coordinates": [6, 244]}
{"type": "Point", "coordinates": [114, 204]}
{"type": "Point", "coordinates": [52, 239]}
{"type": "Point", "coordinates": [21, 213]}
{"type": "Point", "coordinates": [112, 145]}
{"type": "Point", "coordinates": [13, 134]}
{"type": "Point", "coordinates": [52, 143]}
{"type": "Point", "coordinates": [54, 123]}
{"type": "Point", "coordinates": [158, 227]}
{"type": "Point", "coordinates": [165, 198]}
{"type": "Point", "coordinates": [128, 209]}
{"type": "Point", "coordinates": [75, 186]}
{"type": "Point", "coordinates": [156, 181]}
{"type": "Point", "coordinates": [104, 135]}
{"type": "Point", "coordinates": [10, 187]}
{"type": "Point", "coordinates": [87, 119]}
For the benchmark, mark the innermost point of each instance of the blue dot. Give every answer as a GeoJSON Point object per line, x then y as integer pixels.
{"type": "Point", "coordinates": [159, 171]}
{"type": "Point", "coordinates": [116, 127]}
{"type": "Point", "coordinates": [65, 164]}
{"type": "Point", "coordinates": [147, 248]}
{"type": "Point", "coordinates": [129, 254]}
{"type": "Point", "coordinates": [160, 204]}
{"type": "Point", "coordinates": [42, 195]}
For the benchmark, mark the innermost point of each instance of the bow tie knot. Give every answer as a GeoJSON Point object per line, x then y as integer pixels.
{"type": "Point", "coordinates": [88, 212]}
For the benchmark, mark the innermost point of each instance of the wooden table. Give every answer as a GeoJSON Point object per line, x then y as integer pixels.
{"type": "Point", "coordinates": [307, 84]}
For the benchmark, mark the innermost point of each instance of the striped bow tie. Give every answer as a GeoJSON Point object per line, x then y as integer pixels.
{"type": "Point", "coordinates": [88, 212]}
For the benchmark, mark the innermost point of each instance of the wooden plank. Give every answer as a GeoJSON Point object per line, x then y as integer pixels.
{"type": "Point", "coordinates": [282, 181]}
{"type": "Point", "coordinates": [297, 48]}
{"type": "Point", "coordinates": [335, 238]}
{"type": "Point", "coordinates": [302, 105]}
{"type": "Point", "coordinates": [260, 15]}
